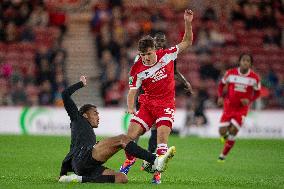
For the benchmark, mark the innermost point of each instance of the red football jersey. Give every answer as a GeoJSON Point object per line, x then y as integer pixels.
{"type": "Point", "coordinates": [156, 80]}
{"type": "Point", "coordinates": [240, 86]}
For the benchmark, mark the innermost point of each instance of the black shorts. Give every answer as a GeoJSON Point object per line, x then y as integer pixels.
{"type": "Point", "coordinates": [84, 164]}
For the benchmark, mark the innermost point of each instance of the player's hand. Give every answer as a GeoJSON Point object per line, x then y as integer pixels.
{"type": "Point", "coordinates": [131, 111]}
{"type": "Point", "coordinates": [83, 79]}
{"type": "Point", "coordinates": [188, 88]}
{"type": "Point", "coordinates": [188, 15]}
{"type": "Point", "coordinates": [220, 101]}
{"type": "Point", "coordinates": [245, 101]}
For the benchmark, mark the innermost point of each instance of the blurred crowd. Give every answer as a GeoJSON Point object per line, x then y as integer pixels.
{"type": "Point", "coordinates": [32, 58]}
{"type": "Point", "coordinates": [222, 31]}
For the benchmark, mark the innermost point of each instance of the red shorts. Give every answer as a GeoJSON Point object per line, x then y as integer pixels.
{"type": "Point", "coordinates": [233, 117]}
{"type": "Point", "coordinates": [149, 115]}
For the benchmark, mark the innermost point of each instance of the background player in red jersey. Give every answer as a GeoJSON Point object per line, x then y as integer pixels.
{"type": "Point", "coordinates": [242, 89]}
{"type": "Point", "coordinates": [154, 72]}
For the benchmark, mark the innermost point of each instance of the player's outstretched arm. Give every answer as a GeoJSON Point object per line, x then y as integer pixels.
{"type": "Point", "coordinates": [69, 104]}
{"type": "Point", "coordinates": [188, 34]}
{"type": "Point", "coordinates": [131, 101]}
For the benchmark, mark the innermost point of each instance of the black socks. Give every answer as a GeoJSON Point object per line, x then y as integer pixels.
{"type": "Point", "coordinates": [133, 149]}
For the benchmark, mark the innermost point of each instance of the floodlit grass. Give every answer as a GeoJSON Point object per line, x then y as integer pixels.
{"type": "Point", "coordinates": [34, 162]}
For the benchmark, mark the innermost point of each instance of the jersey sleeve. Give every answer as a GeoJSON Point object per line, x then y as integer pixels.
{"type": "Point", "coordinates": [134, 80]}
{"type": "Point", "coordinates": [172, 52]}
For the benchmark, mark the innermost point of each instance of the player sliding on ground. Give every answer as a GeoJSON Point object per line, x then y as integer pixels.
{"type": "Point", "coordinates": [154, 72]}
{"type": "Point", "coordinates": [87, 156]}
{"type": "Point", "coordinates": [242, 89]}
{"type": "Point", "coordinates": [160, 43]}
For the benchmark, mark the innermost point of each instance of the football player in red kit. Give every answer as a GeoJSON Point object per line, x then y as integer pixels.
{"type": "Point", "coordinates": [242, 89]}
{"type": "Point", "coordinates": [154, 72]}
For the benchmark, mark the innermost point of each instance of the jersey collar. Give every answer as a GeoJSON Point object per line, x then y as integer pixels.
{"type": "Point", "coordinates": [246, 74]}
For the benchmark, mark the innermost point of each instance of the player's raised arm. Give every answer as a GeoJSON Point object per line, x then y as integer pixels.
{"type": "Point", "coordinates": [69, 104]}
{"type": "Point", "coordinates": [188, 35]}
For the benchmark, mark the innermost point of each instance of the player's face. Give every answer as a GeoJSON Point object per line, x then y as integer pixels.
{"type": "Point", "coordinates": [245, 62]}
{"type": "Point", "coordinates": [160, 43]}
{"type": "Point", "coordinates": [93, 117]}
{"type": "Point", "coordinates": [149, 57]}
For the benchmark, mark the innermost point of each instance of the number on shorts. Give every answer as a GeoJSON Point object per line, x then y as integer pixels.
{"type": "Point", "coordinates": [170, 111]}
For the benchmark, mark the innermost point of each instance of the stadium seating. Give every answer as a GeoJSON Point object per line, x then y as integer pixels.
{"type": "Point", "coordinates": [19, 56]}
{"type": "Point", "coordinates": [238, 38]}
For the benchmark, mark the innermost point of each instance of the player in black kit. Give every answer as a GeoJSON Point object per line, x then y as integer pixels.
{"type": "Point", "coordinates": [87, 156]}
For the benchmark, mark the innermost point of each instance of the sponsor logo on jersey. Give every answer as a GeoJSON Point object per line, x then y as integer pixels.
{"type": "Point", "coordinates": [240, 87]}
{"type": "Point", "coordinates": [241, 80]}
{"type": "Point", "coordinates": [160, 74]}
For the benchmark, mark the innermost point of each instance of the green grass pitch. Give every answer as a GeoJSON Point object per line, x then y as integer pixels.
{"type": "Point", "coordinates": [34, 162]}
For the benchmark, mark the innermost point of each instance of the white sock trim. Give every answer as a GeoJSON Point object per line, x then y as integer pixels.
{"type": "Point", "coordinates": [162, 145]}
{"type": "Point", "coordinates": [231, 137]}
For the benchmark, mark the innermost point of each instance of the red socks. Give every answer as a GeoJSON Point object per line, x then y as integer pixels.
{"type": "Point", "coordinates": [228, 146]}
{"type": "Point", "coordinates": [162, 149]}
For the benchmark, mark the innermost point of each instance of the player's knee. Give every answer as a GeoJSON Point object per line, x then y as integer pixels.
{"type": "Point", "coordinates": [223, 131]}
{"type": "Point", "coordinates": [233, 131]}
{"type": "Point", "coordinates": [135, 130]}
{"type": "Point", "coordinates": [121, 178]}
{"type": "Point", "coordinates": [164, 126]}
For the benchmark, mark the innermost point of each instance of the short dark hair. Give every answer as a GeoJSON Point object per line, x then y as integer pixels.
{"type": "Point", "coordinates": [85, 108]}
{"type": "Point", "coordinates": [145, 43]}
{"type": "Point", "coordinates": [246, 54]}
{"type": "Point", "coordinates": [159, 35]}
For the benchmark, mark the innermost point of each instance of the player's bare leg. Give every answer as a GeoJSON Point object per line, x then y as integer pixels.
{"type": "Point", "coordinates": [105, 149]}
{"type": "Point", "coordinates": [163, 133]}
{"type": "Point", "coordinates": [233, 131]}
{"type": "Point", "coordinates": [134, 131]}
